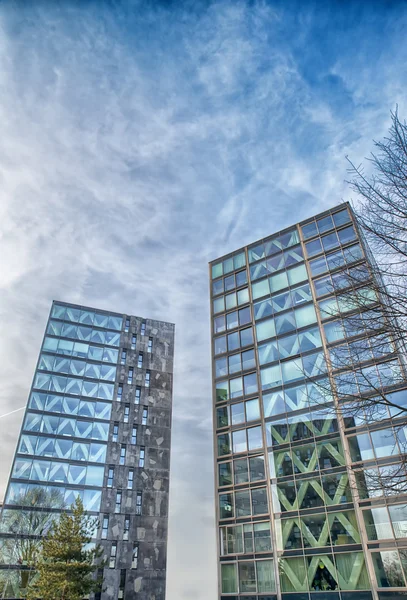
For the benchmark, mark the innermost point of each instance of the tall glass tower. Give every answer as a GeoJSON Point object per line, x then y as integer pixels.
{"type": "Point", "coordinates": [97, 425]}
{"type": "Point", "coordinates": [298, 515]}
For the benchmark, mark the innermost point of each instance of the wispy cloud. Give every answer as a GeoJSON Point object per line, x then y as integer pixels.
{"type": "Point", "coordinates": [140, 140]}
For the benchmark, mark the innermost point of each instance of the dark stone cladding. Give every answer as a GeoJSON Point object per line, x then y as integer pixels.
{"type": "Point", "coordinates": [149, 530]}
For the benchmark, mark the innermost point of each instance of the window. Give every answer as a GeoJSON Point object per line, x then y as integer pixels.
{"type": "Point", "coordinates": [130, 375]}
{"type": "Point", "coordinates": [122, 583]}
{"type": "Point", "coordinates": [123, 357]}
{"type": "Point", "coordinates": [138, 395]}
{"type": "Point", "coordinates": [113, 552]}
{"type": "Point", "coordinates": [134, 435]}
{"type": "Point", "coordinates": [115, 432]}
{"type": "Point", "coordinates": [147, 379]}
{"type": "Point", "coordinates": [126, 413]}
{"type": "Point", "coordinates": [105, 527]}
{"type": "Point", "coordinates": [139, 499]}
{"type": "Point", "coordinates": [118, 504]}
{"type": "Point", "coordinates": [145, 416]}
{"type": "Point", "coordinates": [127, 325]}
{"type": "Point", "coordinates": [110, 477]}
{"type": "Point", "coordinates": [143, 329]}
{"type": "Point", "coordinates": [130, 479]}
{"type": "Point", "coordinates": [140, 360]}
{"type": "Point", "coordinates": [119, 392]}
{"type": "Point", "coordinates": [142, 456]}
{"type": "Point", "coordinates": [135, 556]}
{"type": "Point", "coordinates": [126, 528]}
{"type": "Point", "coordinates": [150, 345]}
{"type": "Point", "coordinates": [133, 341]}
{"type": "Point", "coordinates": [122, 454]}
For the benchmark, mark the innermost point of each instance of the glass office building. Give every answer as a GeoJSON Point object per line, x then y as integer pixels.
{"type": "Point", "coordinates": [301, 513]}
{"type": "Point", "coordinates": [98, 426]}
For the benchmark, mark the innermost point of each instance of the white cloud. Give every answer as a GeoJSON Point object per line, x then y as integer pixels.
{"type": "Point", "coordinates": [136, 145]}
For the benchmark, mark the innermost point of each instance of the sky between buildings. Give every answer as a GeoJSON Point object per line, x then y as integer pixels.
{"type": "Point", "coordinates": [139, 140]}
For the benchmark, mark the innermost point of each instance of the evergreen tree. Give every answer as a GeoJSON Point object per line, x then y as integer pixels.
{"type": "Point", "coordinates": [66, 563]}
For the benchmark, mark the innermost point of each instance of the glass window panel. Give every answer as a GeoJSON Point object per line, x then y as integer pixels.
{"type": "Point", "coordinates": [246, 336]}
{"type": "Point", "coordinates": [263, 309]}
{"type": "Point", "coordinates": [224, 444]}
{"type": "Point", "coordinates": [273, 404]}
{"type": "Point", "coordinates": [230, 301]}
{"type": "Point", "coordinates": [236, 387]}
{"type": "Point", "coordinates": [318, 266]}
{"type": "Point", "coordinates": [217, 270]}
{"type": "Point", "coordinates": [239, 441]}
{"type": "Point", "coordinates": [250, 384]}
{"type": "Point", "coordinates": [252, 410]}
{"type": "Point", "coordinates": [305, 315]}
{"type": "Point", "coordinates": [100, 431]}
{"type": "Point", "coordinates": [340, 218]}
{"type": "Point", "coordinates": [220, 344]}
{"type": "Point", "coordinates": [289, 239]}
{"type": "Point", "coordinates": [58, 472]}
{"type": "Point", "coordinates": [377, 523]}
{"type": "Point", "coordinates": [285, 323]}
{"type": "Point", "coordinates": [259, 501]}
{"type": "Point", "coordinates": [241, 278]}
{"type": "Point", "coordinates": [301, 294]}
{"type": "Point", "coordinates": [222, 416]}
{"type": "Point", "coordinates": [229, 578]}
{"type": "Point", "coordinates": [50, 344]}
{"type": "Point", "coordinates": [225, 473]}
{"type": "Point", "coordinates": [233, 341]}
{"type": "Point", "coordinates": [239, 260]}
{"type": "Point", "coordinates": [268, 352]}
{"type": "Point", "coordinates": [281, 302]}
{"type": "Point", "coordinates": [226, 506]}
{"type": "Point", "coordinates": [243, 296]}
{"type": "Point", "coordinates": [309, 340]}
{"type": "Point", "coordinates": [288, 346]}
{"type": "Point", "coordinates": [244, 316]}
{"type": "Point", "coordinates": [292, 370]}
{"type": "Point", "coordinates": [219, 324]}
{"type": "Point", "coordinates": [242, 503]}
{"type": "Point", "coordinates": [271, 377]}
{"type": "Point", "coordinates": [325, 224]}
{"type": "Point", "coordinates": [221, 367]}
{"type": "Point", "coordinates": [259, 270]}
{"type": "Point", "coordinates": [296, 398]}
{"type": "Point", "coordinates": [261, 288]}
{"type": "Point", "coordinates": [275, 263]}
{"type": "Point", "coordinates": [297, 274]}
{"type": "Point", "coordinates": [293, 256]}
{"type": "Point", "coordinates": [265, 330]}
{"type": "Point", "coordinates": [222, 391]}
{"type": "Point", "coordinates": [237, 411]}
{"type": "Point", "coordinates": [231, 320]}
{"type": "Point", "coordinates": [335, 260]}
{"type": "Point", "coordinates": [217, 287]}
{"type": "Point", "coordinates": [330, 241]}
{"type": "Point", "coordinates": [248, 360]}
{"type": "Point", "coordinates": [398, 515]}
{"type": "Point", "coordinates": [309, 230]}
{"type": "Point", "coordinates": [347, 235]}
{"type": "Point", "coordinates": [256, 253]}
{"type": "Point", "coordinates": [235, 364]}
{"type": "Point", "coordinates": [255, 439]}
{"type": "Point", "coordinates": [80, 451]}
{"type": "Point", "coordinates": [256, 468]}
{"type": "Point", "coordinates": [58, 311]}
{"type": "Point", "coordinates": [247, 577]}
{"type": "Point", "coordinates": [388, 569]}
{"type": "Point", "coordinates": [94, 476]}
{"type": "Point", "coordinates": [384, 443]}
{"type": "Point", "coordinates": [314, 247]}
{"type": "Point", "coordinates": [323, 286]}
{"type": "Point", "coordinates": [240, 470]}
{"type": "Point", "coordinates": [353, 253]}
{"type": "Point", "coordinates": [334, 331]}
{"type": "Point", "coordinates": [219, 304]}
{"type": "Point", "coordinates": [229, 283]}
{"type": "Point", "coordinates": [278, 282]}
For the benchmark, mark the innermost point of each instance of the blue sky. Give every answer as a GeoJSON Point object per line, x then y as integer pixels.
{"type": "Point", "coordinates": [139, 140]}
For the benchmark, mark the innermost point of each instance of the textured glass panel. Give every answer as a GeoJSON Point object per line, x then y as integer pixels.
{"type": "Point", "coordinates": [309, 340]}
{"type": "Point", "coordinates": [100, 431]}
{"type": "Point", "coordinates": [66, 426]}
{"type": "Point", "coordinates": [77, 474]}
{"type": "Point", "coordinates": [296, 398]}
{"type": "Point", "coordinates": [90, 389]}
{"type": "Point", "coordinates": [61, 365]}
{"type": "Point", "coordinates": [22, 468]}
{"type": "Point", "coordinates": [40, 470]}
{"type": "Point", "coordinates": [73, 386]}
{"type": "Point", "coordinates": [105, 391]}
{"type": "Point", "coordinates": [314, 364]}
{"type": "Point", "coordinates": [58, 311]}
{"type": "Point", "coordinates": [268, 352]}
{"type": "Point", "coordinates": [46, 447]}
{"type": "Point", "coordinates": [54, 403]}
{"type": "Point", "coordinates": [32, 422]}
{"type": "Point", "coordinates": [42, 381]}
{"type": "Point", "coordinates": [49, 424]}
{"type": "Point", "coordinates": [63, 448]}
{"type": "Point", "coordinates": [37, 400]}
{"type": "Point", "coordinates": [263, 309]}
{"type": "Point", "coordinates": [297, 274]}
{"type": "Point", "coordinates": [111, 339]}
{"type": "Point", "coordinates": [273, 404]}
{"type": "Point", "coordinates": [256, 253]}
{"type": "Point", "coordinates": [292, 370]}
{"type": "Point", "coordinates": [27, 444]}
{"type": "Point", "coordinates": [103, 410]}
{"type": "Point", "coordinates": [293, 256]}
{"type": "Point", "coordinates": [115, 323]}
{"type": "Point", "coordinates": [276, 262]}
{"type": "Point", "coordinates": [72, 314]}
{"type": "Point", "coordinates": [285, 323]}
{"type": "Point", "coordinates": [83, 429]}
{"type": "Point", "coordinates": [288, 346]}
{"type": "Point", "coordinates": [54, 328]}
{"type": "Point", "coordinates": [260, 289]}
{"type": "Point", "coordinates": [271, 377]}
{"type": "Point", "coordinates": [58, 472]}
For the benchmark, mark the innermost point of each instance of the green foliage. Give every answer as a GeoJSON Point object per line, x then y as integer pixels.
{"type": "Point", "coordinates": [67, 561]}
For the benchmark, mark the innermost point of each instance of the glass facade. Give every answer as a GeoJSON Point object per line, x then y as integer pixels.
{"type": "Point", "coordinates": [299, 510]}
{"type": "Point", "coordinates": [77, 439]}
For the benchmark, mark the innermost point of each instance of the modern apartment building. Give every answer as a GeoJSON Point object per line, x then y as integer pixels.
{"type": "Point", "coordinates": [97, 425]}
{"type": "Point", "coordinates": [301, 505]}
